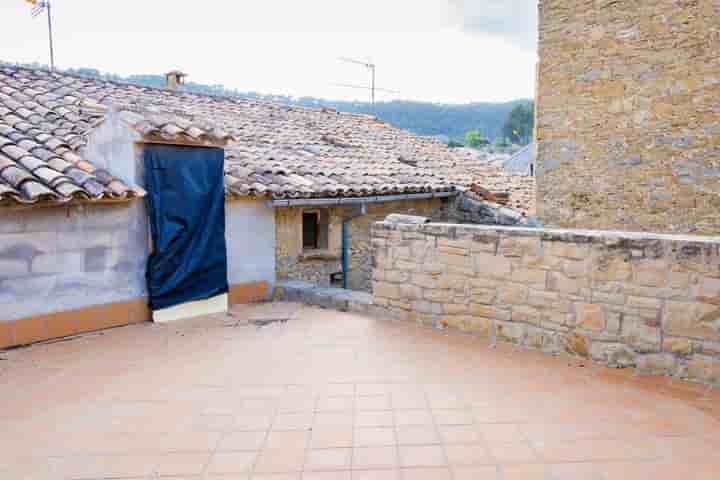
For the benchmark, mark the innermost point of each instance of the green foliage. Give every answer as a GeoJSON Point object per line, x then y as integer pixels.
{"type": "Point", "coordinates": [475, 139]}
{"type": "Point", "coordinates": [518, 127]}
{"type": "Point", "coordinates": [455, 144]}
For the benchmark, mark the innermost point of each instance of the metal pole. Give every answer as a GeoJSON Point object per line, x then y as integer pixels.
{"type": "Point", "coordinates": [372, 67]}
{"type": "Point", "coordinates": [50, 34]}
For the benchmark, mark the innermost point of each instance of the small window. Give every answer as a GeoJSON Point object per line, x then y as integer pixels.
{"type": "Point", "coordinates": [315, 229]}
{"type": "Point", "coordinates": [311, 227]}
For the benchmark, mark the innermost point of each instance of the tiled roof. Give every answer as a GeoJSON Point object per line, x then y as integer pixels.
{"type": "Point", "coordinates": [272, 150]}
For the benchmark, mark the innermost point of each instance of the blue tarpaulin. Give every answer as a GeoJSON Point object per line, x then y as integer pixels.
{"type": "Point", "coordinates": [186, 207]}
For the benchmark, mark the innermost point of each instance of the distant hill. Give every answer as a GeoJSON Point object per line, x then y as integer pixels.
{"type": "Point", "coordinates": [446, 121]}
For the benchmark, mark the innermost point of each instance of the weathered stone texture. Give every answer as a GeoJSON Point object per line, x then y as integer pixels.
{"type": "Point", "coordinates": [316, 267]}
{"type": "Point", "coordinates": [625, 299]}
{"type": "Point", "coordinates": [628, 123]}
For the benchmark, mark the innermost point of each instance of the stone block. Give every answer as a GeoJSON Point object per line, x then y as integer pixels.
{"type": "Point", "coordinates": [533, 278]}
{"type": "Point", "coordinates": [410, 292]}
{"type": "Point", "coordinates": [488, 311]}
{"type": "Point", "coordinates": [691, 319]}
{"type": "Point", "coordinates": [520, 246]}
{"type": "Point", "coordinates": [702, 368]}
{"type": "Point", "coordinates": [424, 280]}
{"type": "Point", "coordinates": [677, 346]}
{"type": "Point", "coordinates": [453, 260]}
{"type": "Point", "coordinates": [612, 269]}
{"type": "Point", "coordinates": [510, 332]}
{"type": "Point", "coordinates": [577, 344]}
{"type": "Point", "coordinates": [641, 337]}
{"type": "Point", "coordinates": [512, 294]}
{"type": "Point", "coordinates": [613, 354]}
{"type": "Point", "coordinates": [438, 295]}
{"type": "Point", "coordinates": [590, 316]}
{"type": "Point", "coordinates": [657, 363]}
{"type": "Point", "coordinates": [566, 250]}
{"type": "Point", "coordinates": [449, 281]}
{"type": "Point", "coordinates": [708, 290]}
{"type": "Point", "coordinates": [525, 314]}
{"type": "Point", "coordinates": [493, 266]}
{"type": "Point", "coordinates": [386, 290]}
{"type": "Point", "coordinates": [396, 276]}
{"type": "Point", "coordinates": [608, 298]}
{"type": "Point", "coordinates": [644, 302]}
{"type": "Point", "coordinates": [487, 283]}
{"type": "Point", "coordinates": [483, 295]}
{"type": "Point", "coordinates": [407, 266]}
{"type": "Point", "coordinates": [679, 280]}
{"type": "Point", "coordinates": [559, 282]}
{"type": "Point", "coordinates": [651, 273]}
{"type": "Point", "coordinates": [456, 308]}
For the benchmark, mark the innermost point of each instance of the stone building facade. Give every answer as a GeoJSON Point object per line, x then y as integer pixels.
{"type": "Point", "coordinates": [640, 300]}
{"type": "Point", "coordinates": [317, 265]}
{"type": "Point", "coordinates": [628, 119]}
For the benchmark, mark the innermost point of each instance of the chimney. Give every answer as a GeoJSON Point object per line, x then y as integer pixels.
{"type": "Point", "coordinates": [175, 79]}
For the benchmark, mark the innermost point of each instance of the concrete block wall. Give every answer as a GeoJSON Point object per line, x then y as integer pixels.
{"type": "Point", "coordinates": [65, 258]}
{"type": "Point", "coordinates": [646, 301]}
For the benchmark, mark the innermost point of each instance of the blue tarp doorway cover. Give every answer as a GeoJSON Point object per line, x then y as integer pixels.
{"type": "Point", "coordinates": [186, 208]}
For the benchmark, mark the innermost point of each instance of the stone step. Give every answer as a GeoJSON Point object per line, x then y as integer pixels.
{"type": "Point", "coordinates": [325, 297]}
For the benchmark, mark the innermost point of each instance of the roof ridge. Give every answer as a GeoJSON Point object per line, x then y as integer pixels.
{"type": "Point", "coordinates": [238, 99]}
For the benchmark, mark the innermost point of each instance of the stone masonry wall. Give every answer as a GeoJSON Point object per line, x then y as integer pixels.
{"type": "Point", "coordinates": [316, 267]}
{"type": "Point", "coordinates": [627, 300]}
{"type": "Point", "coordinates": [628, 118]}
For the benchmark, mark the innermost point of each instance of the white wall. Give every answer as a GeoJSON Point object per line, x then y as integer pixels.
{"type": "Point", "coordinates": [250, 234]}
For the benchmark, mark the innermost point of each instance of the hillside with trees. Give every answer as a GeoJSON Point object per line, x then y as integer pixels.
{"type": "Point", "coordinates": [472, 124]}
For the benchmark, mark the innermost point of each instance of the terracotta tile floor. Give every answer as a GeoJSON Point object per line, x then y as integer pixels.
{"type": "Point", "coordinates": [331, 396]}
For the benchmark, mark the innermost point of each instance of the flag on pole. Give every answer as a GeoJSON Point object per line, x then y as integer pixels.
{"type": "Point", "coordinates": [38, 6]}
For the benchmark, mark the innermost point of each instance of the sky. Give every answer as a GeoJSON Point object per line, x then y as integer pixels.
{"type": "Point", "coordinates": [449, 51]}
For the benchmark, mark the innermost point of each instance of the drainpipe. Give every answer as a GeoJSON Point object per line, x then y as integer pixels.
{"type": "Point", "coordinates": [359, 212]}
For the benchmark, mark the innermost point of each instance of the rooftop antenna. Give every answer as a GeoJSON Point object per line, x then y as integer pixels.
{"type": "Point", "coordinates": [370, 66]}
{"type": "Point", "coordinates": [38, 7]}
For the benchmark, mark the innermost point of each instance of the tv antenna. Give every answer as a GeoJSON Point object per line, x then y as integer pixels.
{"type": "Point", "coordinates": [38, 7]}
{"type": "Point", "coordinates": [373, 88]}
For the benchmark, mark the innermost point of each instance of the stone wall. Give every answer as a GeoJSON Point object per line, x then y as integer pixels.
{"type": "Point", "coordinates": [317, 266]}
{"type": "Point", "coordinates": [628, 300]}
{"type": "Point", "coordinates": [628, 120]}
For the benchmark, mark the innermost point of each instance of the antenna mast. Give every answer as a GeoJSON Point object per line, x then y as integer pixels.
{"type": "Point", "coordinates": [371, 67]}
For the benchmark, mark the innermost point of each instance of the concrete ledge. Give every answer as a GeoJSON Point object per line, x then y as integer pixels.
{"type": "Point", "coordinates": [331, 298]}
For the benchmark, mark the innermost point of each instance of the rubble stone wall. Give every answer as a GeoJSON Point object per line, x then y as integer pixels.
{"type": "Point", "coordinates": [628, 120]}
{"type": "Point", "coordinates": [316, 266]}
{"type": "Point", "coordinates": [647, 301]}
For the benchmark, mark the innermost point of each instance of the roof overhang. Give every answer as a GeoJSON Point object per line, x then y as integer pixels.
{"type": "Point", "coordinates": [340, 201]}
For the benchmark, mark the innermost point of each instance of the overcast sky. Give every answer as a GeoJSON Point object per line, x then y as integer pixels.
{"type": "Point", "coordinates": [432, 50]}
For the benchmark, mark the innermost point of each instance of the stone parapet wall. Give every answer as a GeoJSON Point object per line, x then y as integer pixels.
{"type": "Point", "coordinates": [628, 124]}
{"type": "Point", "coordinates": [628, 300]}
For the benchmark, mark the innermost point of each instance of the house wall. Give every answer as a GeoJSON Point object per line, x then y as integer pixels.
{"type": "Point", "coordinates": [628, 125]}
{"type": "Point", "coordinates": [63, 259]}
{"type": "Point", "coordinates": [66, 270]}
{"type": "Point", "coordinates": [250, 234]}
{"type": "Point", "coordinates": [316, 267]}
{"type": "Point", "coordinates": [628, 300]}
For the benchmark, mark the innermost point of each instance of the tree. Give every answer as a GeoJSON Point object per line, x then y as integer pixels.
{"type": "Point", "coordinates": [520, 123]}
{"type": "Point", "coordinates": [475, 139]}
